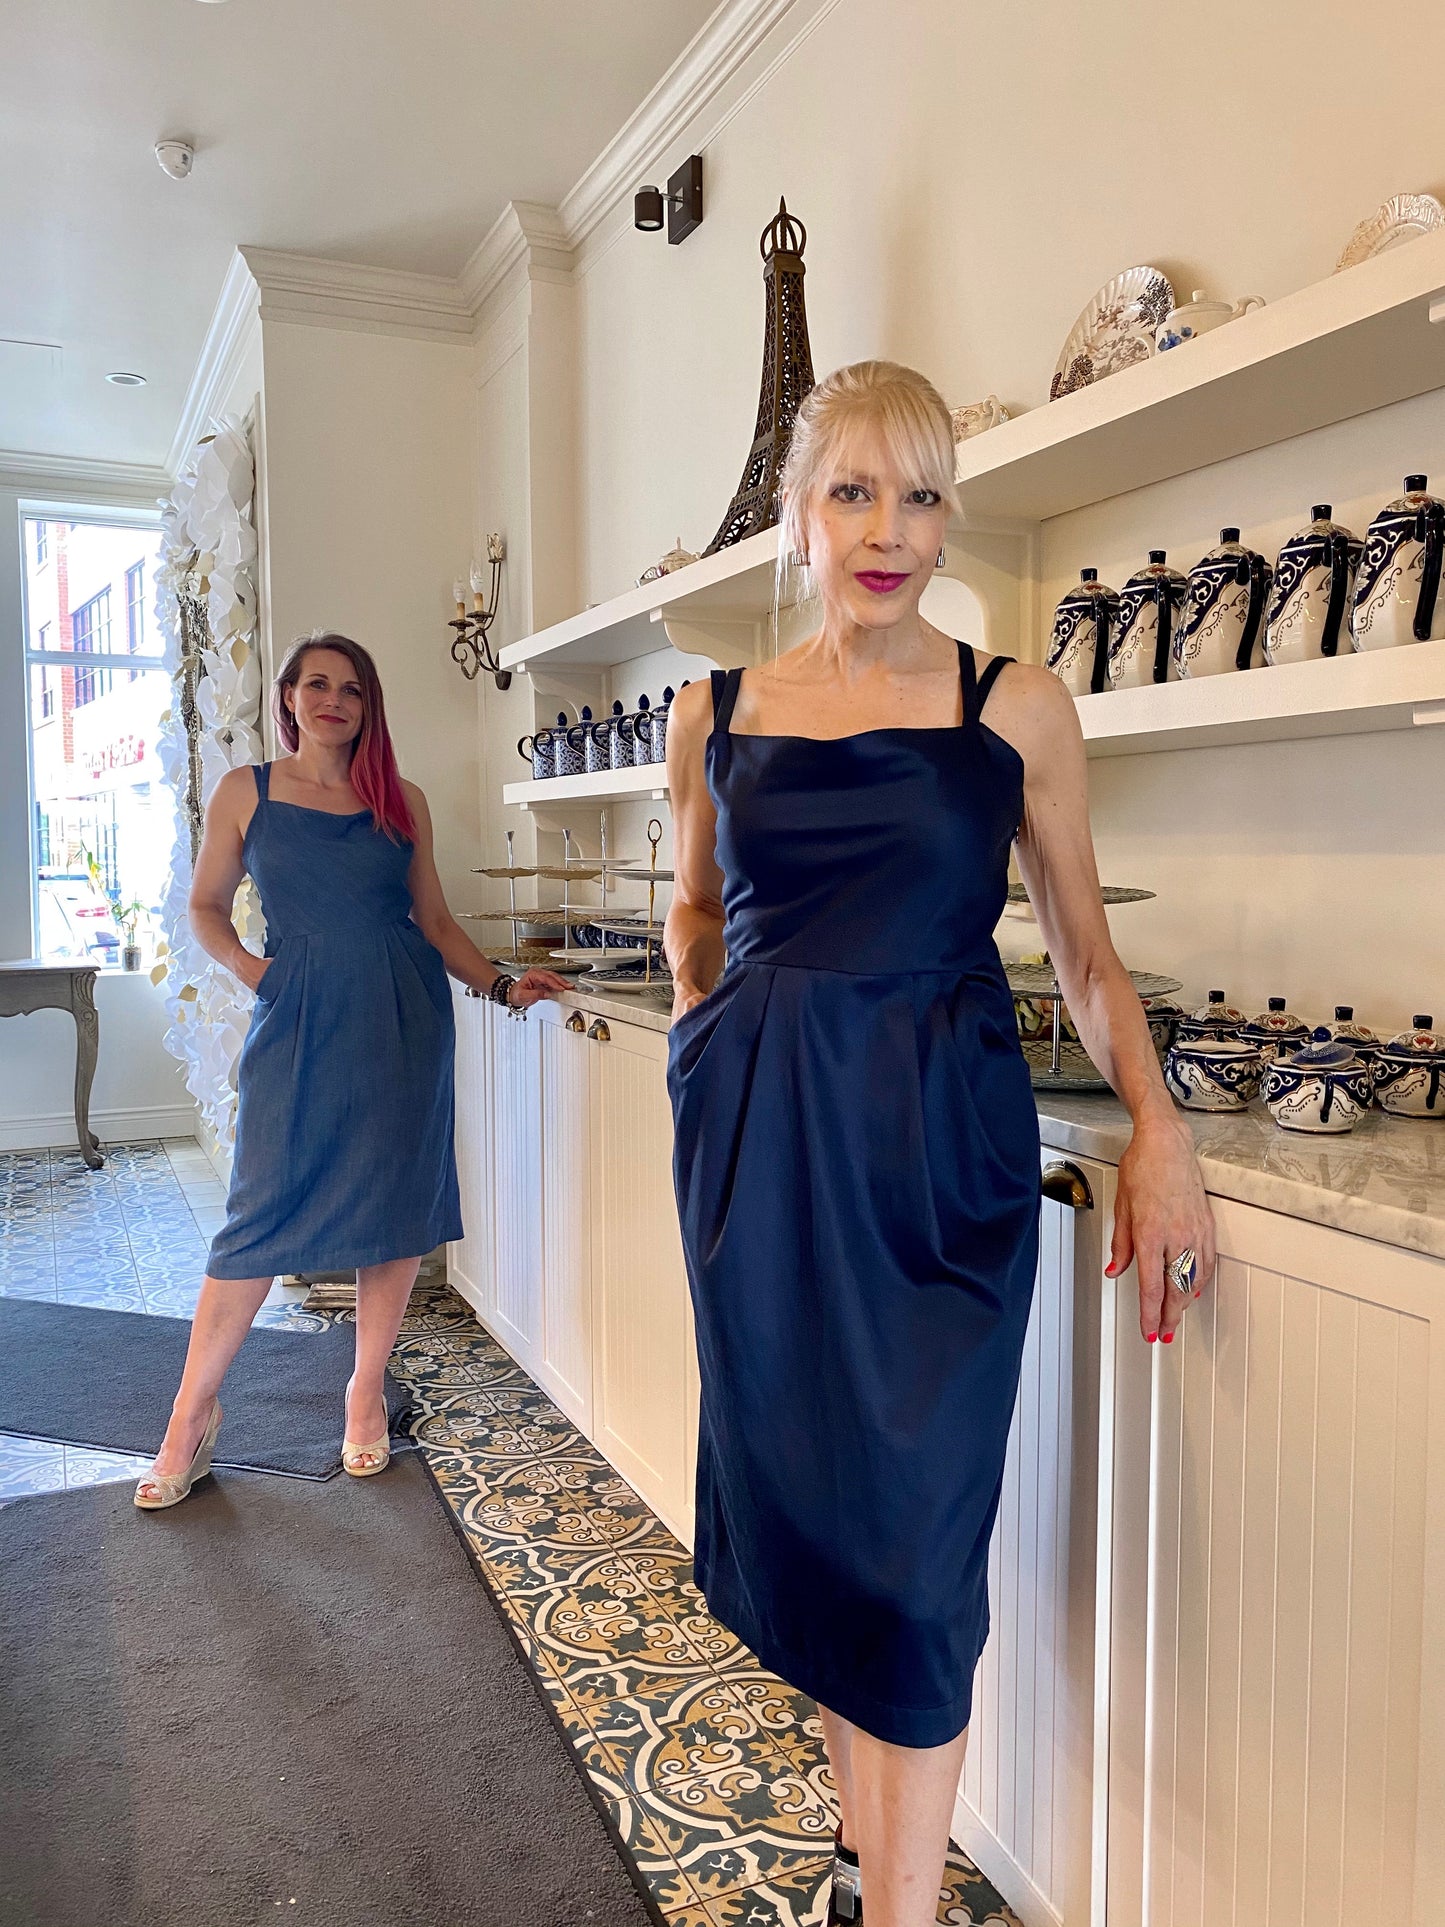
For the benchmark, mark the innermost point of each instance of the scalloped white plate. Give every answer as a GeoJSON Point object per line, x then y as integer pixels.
{"type": "Point", "coordinates": [1115, 330]}
{"type": "Point", "coordinates": [1404, 217]}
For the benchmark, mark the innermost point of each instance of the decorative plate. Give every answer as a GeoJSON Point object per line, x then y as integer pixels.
{"type": "Point", "coordinates": [639, 875]}
{"type": "Point", "coordinates": [1115, 330]}
{"type": "Point", "coordinates": [627, 980]}
{"type": "Point", "coordinates": [1110, 892]}
{"type": "Point", "coordinates": [1404, 217]}
{"type": "Point", "coordinates": [583, 872]}
{"type": "Point", "coordinates": [587, 959]}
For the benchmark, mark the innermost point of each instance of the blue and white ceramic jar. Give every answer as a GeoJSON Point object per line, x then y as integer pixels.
{"type": "Point", "coordinates": [1085, 622]}
{"type": "Point", "coordinates": [1210, 1020]}
{"type": "Point", "coordinates": [1314, 587]}
{"type": "Point", "coordinates": [597, 747]}
{"type": "Point", "coordinates": [567, 748]}
{"type": "Point", "coordinates": [1275, 1031]}
{"type": "Point", "coordinates": [1410, 1072]}
{"type": "Point", "coordinates": [1213, 1073]}
{"type": "Point", "coordinates": [657, 727]}
{"type": "Point", "coordinates": [1151, 606]}
{"type": "Point", "coordinates": [1397, 591]}
{"type": "Point", "coordinates": [621, 742]}
{"type": "Point", "coordinates": [1363, 1041]}
{"type": "Point", "coordinates": [1322, 1086]}
{"type": "Point", "coordinates": [1228, 592]}
{"type": "Point", "coordinates": [537, 750]}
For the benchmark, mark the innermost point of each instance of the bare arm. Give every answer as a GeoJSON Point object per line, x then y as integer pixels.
{"type": "Point", "coordinates": [693, 935]}
{"type": "Point", "coordinates": [440, 928]}
{"type": "Point", "coordinates": [216, 877]}
{"type": "Point", "coordinates": [1161, 1206]}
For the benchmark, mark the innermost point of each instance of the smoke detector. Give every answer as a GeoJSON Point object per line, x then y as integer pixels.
{"type": "Point", "coordinates": [176, 158]}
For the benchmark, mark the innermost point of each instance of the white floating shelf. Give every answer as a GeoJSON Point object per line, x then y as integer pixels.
{"type": "Point", "coordinates": [1340, 347]}
{"type": "Point", "coordinates": [1345, 695]}
{"type": "Point", "coordinates": [715, 607]}
{"type": "Point", "coordinates": [603, 786]}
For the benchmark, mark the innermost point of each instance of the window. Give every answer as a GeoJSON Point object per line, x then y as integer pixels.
{"type": "Point", "coordinates": [102, 819]}
{"type": "Point", "coordinates": [42, 544]}
{"type": "Point", "coordinates": [135, 614]}
{"type": "Point", "coordinates": [90, 636]}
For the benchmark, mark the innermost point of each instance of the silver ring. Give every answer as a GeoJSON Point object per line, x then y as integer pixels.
{"type": "Point", "coordinates": [1182, 1272]}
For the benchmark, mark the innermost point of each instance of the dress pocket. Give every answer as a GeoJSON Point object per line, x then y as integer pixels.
{"type": "Point", "coordinates": [269, 988]}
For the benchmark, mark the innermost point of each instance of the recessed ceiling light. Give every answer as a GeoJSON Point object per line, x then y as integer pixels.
{"type": "Point", "coordinates": [123, 380]}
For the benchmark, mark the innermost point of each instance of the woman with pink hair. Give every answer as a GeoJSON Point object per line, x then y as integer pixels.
{"type": "Point", "coordinates": [343, 1152]}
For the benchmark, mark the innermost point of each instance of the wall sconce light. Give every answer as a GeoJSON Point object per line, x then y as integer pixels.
{"type": "Point", "coordinates": [471, 651]}
{"type": "Point", "coordinates": [683, 202]}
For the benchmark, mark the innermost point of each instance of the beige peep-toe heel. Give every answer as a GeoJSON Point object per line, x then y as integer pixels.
{"type": "Point", "coordinates": [353, 1457]}
{"type": "Point", "coordinates": [169, 1488]}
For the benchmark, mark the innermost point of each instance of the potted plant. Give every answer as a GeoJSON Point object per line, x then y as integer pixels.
{"type": "Point", "coordinates": [126, 915]}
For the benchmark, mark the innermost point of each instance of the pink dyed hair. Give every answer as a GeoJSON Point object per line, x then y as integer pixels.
{"type": "Point", "coordinates": [374, 774]}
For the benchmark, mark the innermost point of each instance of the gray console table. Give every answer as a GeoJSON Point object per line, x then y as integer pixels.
{"type": "Point", "coordinates": [35, 985]}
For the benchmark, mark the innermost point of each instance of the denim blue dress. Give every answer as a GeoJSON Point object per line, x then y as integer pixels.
{"type": "Point", "coordinates": [343, 1149]}
{"type": "Point", "coordinates": [858, 1180]}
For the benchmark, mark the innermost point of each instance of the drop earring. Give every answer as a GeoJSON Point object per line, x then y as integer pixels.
{"type": "Point", "coordinates": [942, 558]}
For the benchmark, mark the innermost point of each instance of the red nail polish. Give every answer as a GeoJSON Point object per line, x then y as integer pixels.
{"type": "Point", "coordinates": [1166, 1338]}
{"type": "Point", "coordinates": [1151, 1336]}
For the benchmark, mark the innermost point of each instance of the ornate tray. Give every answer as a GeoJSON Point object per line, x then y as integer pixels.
{"type": "Point", "coordinates": [1039, 982]}
{"type": "Point", "coordinates": [561, 872]}
{"type": "Point", "coordinates": [626, 980]}
{"type": "Point", "coordinates": [1404, 217]}
{"type": "Point", "coordinates": [1115, 330]}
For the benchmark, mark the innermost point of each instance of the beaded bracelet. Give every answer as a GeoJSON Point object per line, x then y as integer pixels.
{"type": "Point", "coordinates": [500, 989]}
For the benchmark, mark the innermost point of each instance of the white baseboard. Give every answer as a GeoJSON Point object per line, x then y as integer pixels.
{"type": "Point", "coordinates": [56, 1129]}
{"type": "Point", "coordinates": [997, 1864]}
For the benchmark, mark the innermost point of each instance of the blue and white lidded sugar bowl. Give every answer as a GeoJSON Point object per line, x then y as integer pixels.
{"type": "Point", "coordinates": [1314, 586]}
{"type": "Point", "coordinates": [1213, 1019]}
{"type": "Point", "coordinates": [1213, 1073]}
{"type": "Point", "coordinates": [1275, 1031]}
{"type": "Point", "coordinates": [1323, 1086]}
{"type": "Point", "coordinates": [1362, 1040]}
{"type": "Point", "coordinates": [1228, 591]}
{"type": "Point", "coordinates": [1084, 625]}
{"type": "Point", "coordinates": [1397, 591]}
{"type": "Point", "coordinates": [1197, 317]}
{"type": "Point", "coordinates": [1151, 604]}
{"type": "Point", "coordinates": [1161, 1014]}
{"type": "Point", "coordinates": [1410, 1072]}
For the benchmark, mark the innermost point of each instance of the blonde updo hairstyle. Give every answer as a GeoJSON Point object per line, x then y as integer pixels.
{"type": "Point", "coordinates": [899, 403]}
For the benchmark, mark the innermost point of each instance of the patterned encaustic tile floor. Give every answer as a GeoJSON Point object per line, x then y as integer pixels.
{"type": "Point", "coordinates": [712, 1769]}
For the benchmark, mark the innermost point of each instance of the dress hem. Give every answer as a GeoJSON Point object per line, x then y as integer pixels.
{"type": "Point", "coordinates": [290, 1263]}
{"type": "Point", "coordinates": [911, 1726]}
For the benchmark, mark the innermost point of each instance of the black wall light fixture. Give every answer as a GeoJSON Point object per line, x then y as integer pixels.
{"type": "Point", "coordinates": [682, 201]}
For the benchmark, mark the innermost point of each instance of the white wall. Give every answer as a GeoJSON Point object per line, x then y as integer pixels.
{"type": "Point", "coordinates": [968, 177]}
{"type": "Point", "coordinates": [139, 1091]}
{"type": "Point", "coordinates": [369, 518]}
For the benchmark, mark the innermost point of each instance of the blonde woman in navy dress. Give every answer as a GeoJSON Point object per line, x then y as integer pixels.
{"type": "Point", "coordinates": [857, 1146]}
{"type": "Point", "coordinates": [343, 1150]}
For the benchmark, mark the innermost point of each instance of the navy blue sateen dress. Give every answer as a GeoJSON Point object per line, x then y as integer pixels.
{"type": "Point", "coordinates": [858, 1178]}
{"type": "Point", "coordinates": [344, 1127]}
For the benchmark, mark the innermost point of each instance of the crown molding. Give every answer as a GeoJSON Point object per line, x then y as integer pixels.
{"type": "Point", "coordinates": [81, 478]}
{"type": "Point", "coordinates": [525, 233]}
{"type": "Point", "coordinates": [228, 340]}
{"type": "Point", "coordinates": [310, 289]}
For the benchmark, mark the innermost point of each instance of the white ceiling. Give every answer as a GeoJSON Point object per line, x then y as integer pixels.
{"type": "Point", "coordinates": [387, 132]}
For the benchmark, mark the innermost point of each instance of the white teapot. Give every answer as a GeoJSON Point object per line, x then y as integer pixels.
{"type": "Point", "coordinates": [1198, 316]}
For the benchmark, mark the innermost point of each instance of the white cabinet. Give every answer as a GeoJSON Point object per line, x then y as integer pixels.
{"type": "Point", "coordinates": [645, 1378]}
{"type": "Point", "coordinates": [469, 1262]}
{"type": "Point", "coordinates": [515, 1075]}
{"type": "Point", "coordinates": [563, 1364]}
{"type": "Point", "coordinates": [1025, 1803]}
{"type": "Point", "coordinates": [1273, 1539]}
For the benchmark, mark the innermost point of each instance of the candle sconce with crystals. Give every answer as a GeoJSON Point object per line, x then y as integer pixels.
{"type": "Point", "coordinates": [472, 652]}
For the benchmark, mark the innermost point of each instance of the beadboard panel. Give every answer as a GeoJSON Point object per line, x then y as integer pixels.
{"type": "Point", "coordinates": [1268, 1594]}
{"type": "Point", "coordinates": [1024, 1806]}
{"type": "Point", "coordinates": [517, 1164]}
{"type": "Point", "coordinates": [564, 1366]}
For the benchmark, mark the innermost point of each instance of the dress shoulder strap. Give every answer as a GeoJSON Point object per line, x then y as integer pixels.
{"type": "Point", "coordinates": [988, 678]}
{"type": "Point", "coordinates": [263, 781]}
{"type": "Point", "coordinates": [725, 685]}
{"type": "Point", "coordinates": [966, 678]}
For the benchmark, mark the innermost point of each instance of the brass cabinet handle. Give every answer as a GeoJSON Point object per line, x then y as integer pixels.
{"type": "Point", "coordinates": [1065, 1183]}
{"type": "Point", "coordinates": [577, 1022]}
{"type": "Point", "coordinates": [599, 1033]}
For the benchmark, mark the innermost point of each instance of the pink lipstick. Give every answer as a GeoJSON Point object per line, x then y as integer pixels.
{"type": "Point", "coordinates": [880, 582]}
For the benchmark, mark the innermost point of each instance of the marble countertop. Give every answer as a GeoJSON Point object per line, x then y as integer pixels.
{"type": "Point", "coordinates": [1383, 1180]}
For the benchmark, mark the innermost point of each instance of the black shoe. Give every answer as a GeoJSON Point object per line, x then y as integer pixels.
{"type": "Point", "coordinates": [845, 1900]}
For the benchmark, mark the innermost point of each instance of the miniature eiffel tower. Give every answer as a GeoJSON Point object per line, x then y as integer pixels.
{"type": "Point", "coordinates": [787, 377]}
